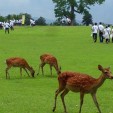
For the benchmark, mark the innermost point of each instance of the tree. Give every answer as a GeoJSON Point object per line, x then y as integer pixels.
{"type": "Point", "coordinates": [68, 8]}
{"type": "Point", "coordinates": [40, 21]}
{"type": "Point", "coordinates": [87, 18]}
{"type": "Point", "coordinates": [2, 19]}
{"type": "Point", "coordinates": [27, 18]}
{"type": "Point", "coordinates": [56, 23]}
{"type": "Point", "coordinates": [8, 17]}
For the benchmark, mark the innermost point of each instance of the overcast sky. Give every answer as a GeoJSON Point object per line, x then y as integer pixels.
{"type": "Point", "coordinates": [45, 8]}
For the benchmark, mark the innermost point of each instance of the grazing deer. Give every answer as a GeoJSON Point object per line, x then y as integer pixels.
{"type": "Point", "coordinates": [51, 60]}
{"type": "Point", "coordinates": [19, 62]}
{"type": "Point", "coordinates": [82, 83]}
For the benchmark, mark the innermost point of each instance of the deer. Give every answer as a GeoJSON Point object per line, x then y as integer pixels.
{"type": "Point", "coordinates": [18, 62]}
{"type": "Point", "coordinates": [51, 60]}
{"type": "Point", "coordinates": [83, 83]}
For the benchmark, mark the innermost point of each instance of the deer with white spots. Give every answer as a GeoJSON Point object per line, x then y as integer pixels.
{"type": "Point", "coordinates": [51, 60]}
{"type": "Point", "coordinates": [19, 62]}
{"type": "Point", "coordinates": [83, 83]}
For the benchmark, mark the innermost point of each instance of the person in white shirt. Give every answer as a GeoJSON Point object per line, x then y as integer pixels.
{"type": "Point", "coordinates": [11, 24]}
{"type": "Point", "coordinates": [95, 31]}
{"type": "Point", "coordinates": [109, 31]}
{"type": "Point", "coordinates": [112, 34]}
{"type": "Point", "coordinates": [68, 21]}
{"type": "Point", "coordinates": [32, 22]}
{"type": "Point", "coordinates": [101, 29]}
{"type": "Point", "coordinates": [7, 26]}
{"type": "Point", "coordinates": [1, 26]}
{"type": "Point", "coordinates": [106, 34]}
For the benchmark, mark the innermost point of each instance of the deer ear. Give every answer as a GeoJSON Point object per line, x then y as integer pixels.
{"type": "Point", "coordinates": [100, 67]}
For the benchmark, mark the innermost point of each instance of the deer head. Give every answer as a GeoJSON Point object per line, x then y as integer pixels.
{"type": "Point", "coordinates": [106, 72]}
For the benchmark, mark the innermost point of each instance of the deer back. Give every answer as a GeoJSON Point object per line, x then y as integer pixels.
{"type": "Point", "coordinates": [77, 81]}
{"type": "Point", "coordinates": [16, 62]}
{"type": "Point", "coordinates": [83, 82]}
{"type": "Point", "coordinates": [43, 57]}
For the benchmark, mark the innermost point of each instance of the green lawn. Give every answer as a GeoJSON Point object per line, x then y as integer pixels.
{"type": "Point", "coordinates": [74, 50]}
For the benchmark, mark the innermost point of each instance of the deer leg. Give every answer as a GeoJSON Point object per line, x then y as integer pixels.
{"type": "Point", "coordinates": [7, 71]}
{"type": "Point", "coordinates": [21, 72]}
{"type": "Point", "coordinates": [51, 69]}
{"type": "Point", "coordinates": [39, 69]}
{"type": "Point", "coordinates": [81, 101]}
{"type": "Point", "coordinates": [62, 97]}
{"type": "Point", "coordinates": [56, 94]}
{"type": "Point", "coordinates": [95, 101]}
{"type": "Point", "coordinates": [42, 65]}
{"type": "Point", "coordinates": [26, 72]}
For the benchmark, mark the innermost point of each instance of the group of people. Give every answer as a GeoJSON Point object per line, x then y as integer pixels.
{"type": "Point", "coordinates": [66, 21]}
{"type": "Point", "coordinates": [32, 22]}
{"type": "Point", "coordinates": [10, 24]}
{"type": "Point", "coordinates": [7, 25]}
{"type": "Point", "coordinates": [105, 33]}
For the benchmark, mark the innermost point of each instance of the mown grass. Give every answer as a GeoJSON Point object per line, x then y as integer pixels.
{"type": "Point", "coordinates": [74, 50]}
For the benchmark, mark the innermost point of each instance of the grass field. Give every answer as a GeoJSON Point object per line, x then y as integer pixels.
{"type": "Point", "coordinates": [75, 51]}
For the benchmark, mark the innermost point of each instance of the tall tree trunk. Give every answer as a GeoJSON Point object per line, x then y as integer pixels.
{"type": "Point", "coordinates": [72, 15]}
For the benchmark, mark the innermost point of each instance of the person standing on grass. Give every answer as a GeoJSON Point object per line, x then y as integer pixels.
{"type": "Point", "coordinates": [95, 31]}
{"type": "Point", "coordinates": [106, 34]}
{"type": "Point", "coordinates": [32, 22]}
{"type": "Point", "coordinates": [6, 26]}
{"type": "Point", "coordinates": [109, 31]}
{"type": "Point", "coordinates": [101, 29]}
{"type": "Point", "coordinates": [1, 25]}
{"type": "Point", "coordinates": [68, 21]}
{"type": "Point", "coordinates": [112, 34]}
{"type": "Point", "coordinates": [11, 24]}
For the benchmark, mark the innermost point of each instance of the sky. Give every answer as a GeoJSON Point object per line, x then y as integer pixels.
{"type": "Point", "coordinates": [45, 8]}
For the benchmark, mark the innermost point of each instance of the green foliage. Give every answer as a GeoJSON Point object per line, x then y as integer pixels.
{"type": "Point", "coordinates": [68, 8]}
{"type": "Point", "coordinates": [40, 21]}
{"type": "Point", "coordinates": [2, 19]}
{"type": "Point", "coordinates": [16, 17]}
{"type": "Point", "coordinates": [75, 51]}
{"type": "Point", "coordinates": [27, 19]}
{"type": "Point", "coordinates": [87, 18]}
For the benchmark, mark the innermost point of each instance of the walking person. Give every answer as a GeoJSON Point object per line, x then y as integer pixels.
{"type": "Point", "coordinates": [95, 31]}
{"type": "Point", "coordinates": [68, 21]}
{"type": "Point", "coordinates": [11, 24]}
{"type": "Point", "coordinates": [6, 26]}
{"type": "Point", "coordinates": [109, 31]}
{"type": "Point", "coordinates": [112, 34]}
{"type": "Point", "coordinates": [101, 29]}
{"type": "Point", "coordinates": [106, 34]}
{"type": "Point", "coordinates": [32, 22]}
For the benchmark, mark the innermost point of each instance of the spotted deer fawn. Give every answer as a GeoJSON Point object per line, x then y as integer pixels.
{"type": "Point", "coordinates": [51, 60]}
{"type": "Point", "coordinates": [18, 62]}
{"type": "Point", "coordinates": [82, 83]}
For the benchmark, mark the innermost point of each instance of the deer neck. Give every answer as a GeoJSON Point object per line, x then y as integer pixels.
{"type": "Point", "coordinates": [57, 69]}
{"type": "Point", "coordinates": [29, 68]}
{"type": "Point", "coordinates": [100, 81]}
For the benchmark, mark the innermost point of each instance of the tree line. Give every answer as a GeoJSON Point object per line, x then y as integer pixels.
{"type": "Point", "coordinates": [38, 21]}
{"type": "Point", "coordinates": [64, 9]}
{"type": "Point", "coordinates": [69, 8]}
